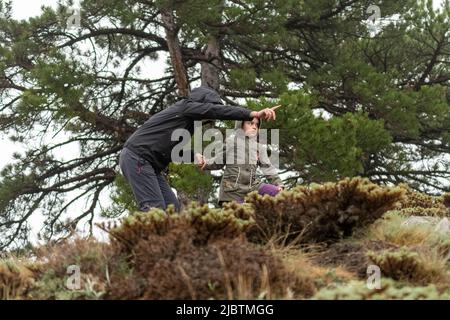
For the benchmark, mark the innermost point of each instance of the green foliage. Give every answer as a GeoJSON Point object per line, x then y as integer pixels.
{"type": "Point", "coordinates": [324, 148]}
{"type": "Point", "coordinates": [64, 81]}
{"type": "Point", "coordinates": [276, 79]}
{"type": "Point", "coordinates": [371, 136]}
{"type": "Point", "coordinates": [358, 290]}
{"type": "Point", "coordinates": [188, 179]}
{"type": "Point", "coordinates": [51, 287]}
{"type": "Point", "coordinates": [122, 198]}
{"type": "Point", "coordinates": [242, 79]}
{"type": "Point", "coordinates": [11, 185]}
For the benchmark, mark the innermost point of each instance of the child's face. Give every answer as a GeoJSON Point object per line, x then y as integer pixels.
{"type": "Point", "coordinates": [250, 127]}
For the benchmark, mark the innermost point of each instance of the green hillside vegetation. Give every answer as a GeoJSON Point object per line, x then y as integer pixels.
{"type": "Point", "coordinates": [311, 242]}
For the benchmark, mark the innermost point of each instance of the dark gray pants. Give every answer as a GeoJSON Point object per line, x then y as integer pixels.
{"type": "Point", "coordinates": [150, 189]}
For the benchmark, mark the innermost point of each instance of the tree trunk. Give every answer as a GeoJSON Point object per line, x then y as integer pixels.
{"type": "Point", "coordinates": [210, 68]}
{"type": "Point", "coordinates": [175, 52]}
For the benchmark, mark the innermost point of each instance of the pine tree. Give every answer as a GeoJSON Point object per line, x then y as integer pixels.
{"type": "Point", "coordinates": [356, 102]}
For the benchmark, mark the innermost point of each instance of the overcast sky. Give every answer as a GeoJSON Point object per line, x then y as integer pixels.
{"type": "Point", "coordinates": [23, 9]}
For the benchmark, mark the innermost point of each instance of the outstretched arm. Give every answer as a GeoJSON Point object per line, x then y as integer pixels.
{"type": "Point", "coordinates": [198, 110]}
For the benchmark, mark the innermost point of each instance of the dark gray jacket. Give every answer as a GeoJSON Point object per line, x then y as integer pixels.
{"type": "Point", "coordinates": [152, 141]}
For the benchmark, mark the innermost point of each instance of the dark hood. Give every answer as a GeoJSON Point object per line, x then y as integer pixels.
{"type": "Point", "coordinates": [205, 95]}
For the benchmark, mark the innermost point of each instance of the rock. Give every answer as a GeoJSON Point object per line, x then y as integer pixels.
{"type": "Point", "coordinates": [414, 220]}
{"type": "Point", "coordinates": [441, 225]}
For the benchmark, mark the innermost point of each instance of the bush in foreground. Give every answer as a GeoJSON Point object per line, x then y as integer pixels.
{"type": "Point", "coordinates": [320, 213]}
{"type": "Point", "coordinates": [358, 290]}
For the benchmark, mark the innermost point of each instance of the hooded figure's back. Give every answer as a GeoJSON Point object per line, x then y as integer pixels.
{"type": "Point", "coordinates": [153, 140]}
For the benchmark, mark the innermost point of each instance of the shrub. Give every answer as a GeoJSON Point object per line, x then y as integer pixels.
{"type": "Point", "coordinates": [199, 254]}
{"type": "Point", "coordinates": [391, 228]}
{"type": "Point", "coordinates": [420, 204]}
{"type": "Point", "coordinates": [203, 224]}
{"type": "Point", "coordinates": [358, 290]}
{"type": "Point", "coordinates": [413, 267]}
{"type": "Point", "coordinates": [15, 279]}
{"type": "Point", "coordinates": [320, 213]}
{"type": "Point", "coordinates": [446, 199]}
{"type": "Point", "coordinates": [93, 258]}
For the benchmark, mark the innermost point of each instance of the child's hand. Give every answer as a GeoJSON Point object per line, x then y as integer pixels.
{"type": "Point", "coordinates": [280, 188]}
{"type": "Point", "coordinates": [201, 161]}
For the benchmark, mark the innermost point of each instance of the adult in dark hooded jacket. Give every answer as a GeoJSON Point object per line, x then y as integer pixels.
{"type": "Point", "coordinates": [148, 150]}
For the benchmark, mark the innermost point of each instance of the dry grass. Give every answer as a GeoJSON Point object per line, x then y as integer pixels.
{"type": "Point", "coordinates": [419, 268]}
{"type": "Point", "coordinates": [391, 229]}
{"type": "Point", "coordinates": [313, 275]}
{"type": "Point", "coordinates": [15, 279]}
